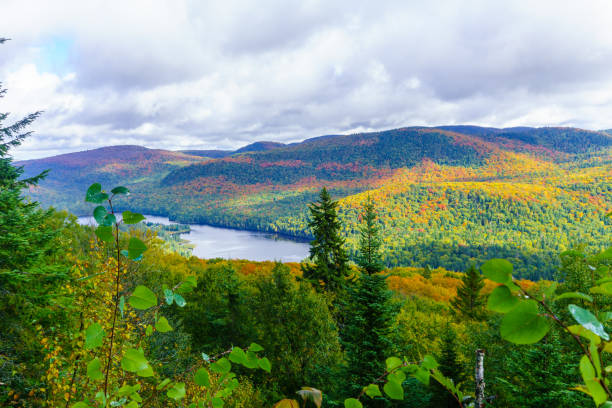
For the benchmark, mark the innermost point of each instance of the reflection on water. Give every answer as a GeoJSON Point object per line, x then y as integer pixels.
{"type": "Point", "coordinates": [214, 242]}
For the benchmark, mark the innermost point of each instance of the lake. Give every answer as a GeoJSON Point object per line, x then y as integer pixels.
{"type": "Point", "coordinates": [215, 242]}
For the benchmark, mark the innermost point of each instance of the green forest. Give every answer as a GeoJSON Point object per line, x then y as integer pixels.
{"type": "Point", "coordinates": [115, 316]}
{"type": "Point", "coordinates": [447, 273]}
{"type": "Point", "coordinates": [445, 197]}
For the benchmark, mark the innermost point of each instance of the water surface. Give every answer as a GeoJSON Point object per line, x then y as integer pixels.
{"type": "Point", "coordinates": [215, 242]}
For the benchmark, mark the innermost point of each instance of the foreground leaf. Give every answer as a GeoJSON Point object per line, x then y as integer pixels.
{"type": "Point", "coordinates": [94, 336]}
{"type": "Point", "coordinates": [94, 370]}
{"type": "Point", "coordinates": [136, 248]}
{"type": "Point", "coordinates": [498, 270]}
{"type": "Point", "coordinates": [95, 195]}
{"type": "Point", "coordinates": [132, 218]}
{"type": "Point", "coordinates": [142, 298]}
{"type": "Point", "coordinates": [588, 320]}
{"type": "Point", "coordinates": [177, 391]}
{"type": "Point", "coordinates": [523, 324]}
{"type": "Point", "coordinates": [502, 300]}
{"type": "Point", "coordinates": [352, 403]}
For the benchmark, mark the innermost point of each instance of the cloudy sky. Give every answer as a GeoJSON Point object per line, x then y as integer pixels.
{"type": "Point", "coordinates": [183, 74]}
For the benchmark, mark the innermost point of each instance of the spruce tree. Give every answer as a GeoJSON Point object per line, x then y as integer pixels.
{"type": "Point", "coordinates": [368, 258]}
{"type": "Point", "coordinates": [450, 367]}
{"type": "Point", "coordinates": [26, 280]}
{"type": "Point", "coordinates": [470, 303]}
{"type": "Point", "coordinates": [330, 260]}
{"type": "Point", "coordinates": [369, 312]}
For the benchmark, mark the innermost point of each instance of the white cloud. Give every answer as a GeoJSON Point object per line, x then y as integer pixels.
{"type": "Point", "coordinates": [218, 74]}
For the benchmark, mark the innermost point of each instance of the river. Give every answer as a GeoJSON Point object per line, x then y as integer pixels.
{"type": "Point", "coordinates": [215, 242]}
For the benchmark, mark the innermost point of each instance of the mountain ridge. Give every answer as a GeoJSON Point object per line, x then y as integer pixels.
{"type": "Point", "coordinates": [468, 191]}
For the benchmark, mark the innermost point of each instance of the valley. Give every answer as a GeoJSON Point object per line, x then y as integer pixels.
{"type": "Point", "coordinates": [446, 197]}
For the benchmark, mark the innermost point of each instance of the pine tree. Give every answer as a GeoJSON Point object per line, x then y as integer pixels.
{"type": "Point", "coordinates": [369, 312]}
{"type": "Point", "coordinates": [450, 367]}
{"type": "Point", "coordinates": [469, 302]}
{"type": "Point", "coordinates": [368, 258]}
{"type": "Point", "coordinates": [25, 279]}
{"type": "Point", "coordinates": [327, 252]}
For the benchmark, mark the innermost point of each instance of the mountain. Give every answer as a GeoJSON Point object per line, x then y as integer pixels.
{"type": "Point", "coordinates": [446, 196]}
{"type": "Point", "coordinates": [216, 154]}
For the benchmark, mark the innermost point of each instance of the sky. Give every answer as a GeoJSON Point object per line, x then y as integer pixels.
{"type": "Point", "coordinates": [185, 74]}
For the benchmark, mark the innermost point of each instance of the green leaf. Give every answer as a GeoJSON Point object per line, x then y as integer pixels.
{"type": "Point", "coordinates": [523, 324]}
{"type": "Point", "coordinates": [254, 347]}
{"type": "Point", "coordinates": [126, 390]}
{"type": "Point", "coordinates": [202, 378]}
{"type": "Point", "coordinates": [221, 366]}
{"type": "Point", "coordinates": [582, 332]}
{"type": "Point", "coordinates": [134, 361]}
{"type": "Point", "coordinates": [95, 195]}
{"type": "Point", "coordinates": [142, 298]}
{"type": "Point", "coordinates": [149, 330]}
{"type": "Point", "coordinates": [421, 375]}
{"type": "Point", "coordinates": [397, 376]}
{"type": "Point", "coordinates": [99, 213]}
{"type": "Point", "coordinates": [237, 355]}
{"type": "Point", "coordinates": [105, 233]}
{"type": "Point", "coordinates": [135, 248]}
{"type": "Point", "coordinates": [596, 391]}
{"type": "Point", "coordinates": [352, 403]}
{"type": "Point", "coordinates": [122, 305]}
{"type": "Point", "coordinates": [604, 289]}
{"type": "Point", "coordinates": [217, 402]}
{"type": "Point", "coordinates": [429, 362]}
{"type": "Point", "coordinates": [392, 363]}
{"type": "Point", "coordinates": [94, 336]}
{"type": "Point", "coordinates": [501, 300]}
{"type": "Point", "coordinates": [80, 404]}
{"type": "Point", "coordinates": [132, 218]}
{"type": "Point", "coordinates": [498, 270]}
{"type": "Point", "coordinates": [162, 384]}
{"type": "Point", "coordinates": [162, 325]}
{"type": "Point", "coordinates": [179, 300]}
{"type": "Point", "coordinates": [586, 369]}
{"type": "Point", "coordinates": [372, 391]}
{"type": "Point", "coordinates": [169, 296]}
{"type": "Point", "coordinates": [108, 220]}
{"type": "Point", "coordinates": [94, 371]}
{"type": "Point", "coordinates": [264, 364]}
{"type": "Point", "coordinates": [177, 391]}
{"type": "Point", "coordinates": [120, 190]}
{"type": "Point", "coordinates": [574, 295]}
{"type": "Point", "coordinates": [605, 316]}
{"type": "Point", "coordinates": [588, 320]}
{"type": "Point", "coordinates": [394, 390]}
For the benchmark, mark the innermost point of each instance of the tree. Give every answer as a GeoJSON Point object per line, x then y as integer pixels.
{"type": "Point", "coordinates": [469, 303]}
{"type": "Point", "coordinates": [330, 267]}
{"type": "Point", "coordinates": [294, 325]}
{"type": "Point", "coordinates": [450, 367]}
{"type": "Point", "coordinates": [369, 312]}
{"type": "Point", "coordinates": [369, 258]}
{"type": "Point", "coordinates": [26, 279]}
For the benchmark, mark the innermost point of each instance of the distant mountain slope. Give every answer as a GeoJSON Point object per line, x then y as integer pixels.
{"type": "Point", "coordinates": [447, 196]}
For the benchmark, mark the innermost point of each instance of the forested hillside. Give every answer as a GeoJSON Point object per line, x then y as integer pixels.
{"type": "Point", "coordinates": [447, 196]}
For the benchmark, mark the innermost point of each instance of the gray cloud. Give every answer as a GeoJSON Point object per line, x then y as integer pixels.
{"type": "Point", "coordinates": [217, 74]}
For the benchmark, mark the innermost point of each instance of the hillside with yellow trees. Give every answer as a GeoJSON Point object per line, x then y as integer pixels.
{"type": "Point", "coordinates": [446, 197]}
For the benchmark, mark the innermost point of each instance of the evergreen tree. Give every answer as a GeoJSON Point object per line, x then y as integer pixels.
{"type": "Point", "coordinates": [330, 267]}
{"type": "Point", "coordinates": [469, 302]}
{"type": "Point", "coordinates": [369, 312]}
{"type": "Point", "coordinates": [450, 367]}
{"type": "Point", "coordinates": [369, 258]}
{"type": "Point", "coordinates": [26, 279]}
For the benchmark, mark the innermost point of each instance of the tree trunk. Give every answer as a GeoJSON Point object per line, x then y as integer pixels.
{"type": "Point", "coordinates": [479, 377]}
